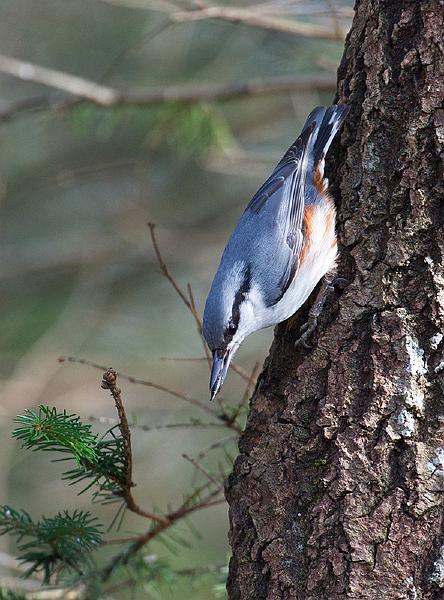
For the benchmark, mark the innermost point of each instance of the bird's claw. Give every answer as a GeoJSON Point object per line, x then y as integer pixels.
{"type": "Point", "coordinates": [310, 326]}
{"type": "Point", "coordinates": [339, 282]}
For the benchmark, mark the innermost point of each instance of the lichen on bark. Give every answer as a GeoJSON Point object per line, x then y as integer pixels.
{"type": "Point", "coordinates": [338, 489]}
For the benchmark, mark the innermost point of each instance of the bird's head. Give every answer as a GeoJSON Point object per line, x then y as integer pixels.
{"type": "Point", "coordinates": [229, 316]}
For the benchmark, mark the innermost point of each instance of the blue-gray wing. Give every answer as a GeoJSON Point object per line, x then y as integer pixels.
{"type": "Point", "coordinates": [269, 235]}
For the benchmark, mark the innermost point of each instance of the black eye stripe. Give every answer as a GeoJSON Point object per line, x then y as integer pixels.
{"type": "Point", "coordinates": [238, 299]}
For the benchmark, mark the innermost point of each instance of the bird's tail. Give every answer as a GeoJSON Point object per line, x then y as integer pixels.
{"type": "Point", "coordinates": [327, 121]}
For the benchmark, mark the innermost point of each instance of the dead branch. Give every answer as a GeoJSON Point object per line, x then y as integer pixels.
{"type": "Point", "coordinates": [185, 425]}
{"type": "Point", "coordinates": [252, 18]}
{"type": "Point", "coordinates": [184, 358]}
{"type": "Point", "coordinates": [189, 302]}
{"type": "Point", "coordinates": [250, 383]}
{"type": "Point", "coordinates": [144, 382]}
{"type": "Point", "coordinates": [262, 16]}
{"type": "Point", "coordinates": [165, 272]}
{"type": "Point", "coordinates": [234, 367]}
{"type": "Point", "coordinates": [199, 323]}
{"type": "Point", "coordinates": [219, 444]}
{"type": "Point", "coordinates": [109, 382]}
{"type": "Point", "coordinates": [36, 104]}
{"type": "Point", "coordinates": [142, 540]}
{"type": "Point", "coordinates": [81, 88]}
{"type": "Point", "coordinates": [196, 464]}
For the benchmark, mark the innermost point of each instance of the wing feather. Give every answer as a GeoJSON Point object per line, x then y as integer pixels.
{"type": "Point", "coordinates": [289, 180]}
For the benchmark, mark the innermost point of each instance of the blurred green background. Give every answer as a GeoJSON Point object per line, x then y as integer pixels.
{"type": "Point", "coordinates": [78, 185]}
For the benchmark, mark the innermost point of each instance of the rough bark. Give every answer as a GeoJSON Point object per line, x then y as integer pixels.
{"type": "Point", "coordinates": [338, 489]}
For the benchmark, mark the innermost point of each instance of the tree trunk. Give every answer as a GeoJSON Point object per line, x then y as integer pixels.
{"type": "Point", "coordinates": [338, 489]}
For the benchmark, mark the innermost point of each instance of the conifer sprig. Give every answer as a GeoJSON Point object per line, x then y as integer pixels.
{"type": "Point", "coordinates": [53, 544]}
{"type": "Point", "coordinates": [99, 461]}
{"type": "Point", "coordinates": [51, 430]}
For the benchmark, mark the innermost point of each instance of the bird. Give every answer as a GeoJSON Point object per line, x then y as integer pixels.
{"type": "Point", "coordinates": [282, 246]}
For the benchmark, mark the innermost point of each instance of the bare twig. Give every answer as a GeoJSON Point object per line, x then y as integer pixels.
{"type": "Point", "coordinates": [240, 371]}
{"type": "Point", "coordinates": [81, 88]}
{"type": "Point", "coordinates": [196, 464]}
{"type": "Point", "coordinates": [36, 104]}
{"type": "Point", "coordinates": [236, 368]}
{"type": "Point", "coordinates": [185, 425]}
{"type": "Point", "coordinates": [199, 323]}
{"type": "Point", "coordinates": [144, 382]}
{"type": "Point", "coordinates": [184, 358]}
{"type": "Point", "coordinates": [252, 18]}
{"type": "Point", "coordinates": [109, 382]}
{"type": "Point", "coordinates": [189, 302]}
{"type": "Point", "coordinates": [77, 86]}
{"type": "Point", "coordinates": [219, 444]}
{"type": "Point", "coordinates": [142, 540]}
{"type": "Point", "coordinates": [164, 270]}
{"type": "Point", "coordinates": [250, 383]}
{"type": "Point", "coordinates": [262, 16]}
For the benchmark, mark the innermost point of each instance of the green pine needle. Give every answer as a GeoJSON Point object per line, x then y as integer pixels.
{"type": "Point", "coordinates": [54, 431]}
{"type": "Point", "coordinates": [99, 462]}
{"type": "Point", "coordinates": [53, 544]}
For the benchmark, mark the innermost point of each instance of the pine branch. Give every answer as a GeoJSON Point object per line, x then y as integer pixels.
{"type": "Point", "coordinates": [53, 544]}
{"type": "Point", "coordinates": [58, 432]}
{"type": "Point", "coordinates": [104, 463]}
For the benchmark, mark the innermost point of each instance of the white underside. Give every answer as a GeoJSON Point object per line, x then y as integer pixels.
{"type": "Point", "coordinates": [319, 260]}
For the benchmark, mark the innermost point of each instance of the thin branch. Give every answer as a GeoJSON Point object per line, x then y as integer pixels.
{"type": "Point", "coordinates": [184, 358]}
{"type": "Point", "coordinates": [102, 95]}
{"type": "Point", "coordinates": [196, 571]}
{"type": "Point", "coordinates": [236, 368]}
{"type": "Point", "coordinates": [185, 425]}
{"type": "Point", "coordinates": [77, 86]}
{"type": "Point", "coordinates": [139, 542]}
{"type": "Point", "coordinates": [240, 371]}
{"type": "Point", "coordinates": [39, 103]}
{"type": "Point", "coordinates": [251, 18]}
{"type": "Point", "coordinates": [109, 382]}
{"type": "Point", "coordinates": [250, 382]}
{"type": "Point", "coordinates": [189, 302]}
{"type": "Point", "coordinates": [164, 270]}
{"type": "Point", "coordinates": [144, 382]}
{"type": "Point", "coordinates": [233, 366]}
{"type": "Point", "coordinates": [199, 323]}
{"type": "Point", "coordinates": [196, 464]}
{"type": "Point", "coordinates": [219, 444]}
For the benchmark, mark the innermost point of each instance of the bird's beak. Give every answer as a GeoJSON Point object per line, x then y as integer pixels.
{"type": "Point", "coordinates": [221, 362]}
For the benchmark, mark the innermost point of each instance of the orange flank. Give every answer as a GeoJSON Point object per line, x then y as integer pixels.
{"type": "Point", "coordinates": [308, 231]}
{"type": "Point", "coordinates": [329, 217]}
{"type": "Point", "coordinates": [319, 181]}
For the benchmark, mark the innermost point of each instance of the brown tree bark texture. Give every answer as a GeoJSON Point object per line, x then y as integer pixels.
{"type": "Point", "coordinates": [338, 491]}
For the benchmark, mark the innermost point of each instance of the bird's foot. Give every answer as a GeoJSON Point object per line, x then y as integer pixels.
{"type": "Point", "coordinates": [339, 282]}
{"type": "Point", "coordinates": [309, 327]}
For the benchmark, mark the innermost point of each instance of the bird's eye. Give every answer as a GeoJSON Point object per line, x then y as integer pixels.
{"type": "Point", "coordinates": [231, 329]}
